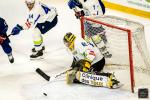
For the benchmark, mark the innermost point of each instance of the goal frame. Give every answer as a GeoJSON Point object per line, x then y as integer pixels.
{"type": "Point", "coordinates": [128, 31]}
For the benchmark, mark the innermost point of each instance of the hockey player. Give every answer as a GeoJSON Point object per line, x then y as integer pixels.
{"type": "Point", "coordinates": [87, 7]}
{"type": "Point", "coordinates": [92, 8]}
{"type": "Point", "coordinates": [87, 64]}
{"type": "Point", "coordinates": [41, 19]}
{"type": "Point", "coordinates": [4, 40]}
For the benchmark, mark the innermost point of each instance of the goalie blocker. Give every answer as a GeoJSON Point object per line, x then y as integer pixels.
{"type": "Point", "coordinates": [102, 80]}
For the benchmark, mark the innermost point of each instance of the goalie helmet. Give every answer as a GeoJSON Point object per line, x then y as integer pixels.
{"type": "Point", "coordinates": [69, 40]}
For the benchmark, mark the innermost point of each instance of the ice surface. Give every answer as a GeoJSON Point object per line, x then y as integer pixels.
{"type": "Point", "coordinates": [19, 81]}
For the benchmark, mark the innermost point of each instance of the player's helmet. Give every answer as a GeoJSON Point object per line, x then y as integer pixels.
{"type": "Point", "coordinates": [30, 1]}
{"type": "Point", "coordinates": [69, 40]}
{"type": "Point", "coordinates": [30, 4]}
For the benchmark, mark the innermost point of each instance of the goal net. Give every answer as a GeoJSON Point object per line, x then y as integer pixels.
{"type": "Point", "coordinates": [123, 42]}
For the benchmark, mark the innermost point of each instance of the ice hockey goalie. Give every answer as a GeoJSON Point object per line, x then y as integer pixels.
{"type": "Point", "coordinates": [88, 64]}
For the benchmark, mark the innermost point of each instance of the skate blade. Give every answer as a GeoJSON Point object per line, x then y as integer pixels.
{"type": "Point", "coordinates": [38, 58]}
{"type": "Point", "coordinates": [116, 86]}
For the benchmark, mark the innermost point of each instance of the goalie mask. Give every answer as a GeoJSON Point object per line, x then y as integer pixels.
{"type": "Point", "coordinates": [69, 40]}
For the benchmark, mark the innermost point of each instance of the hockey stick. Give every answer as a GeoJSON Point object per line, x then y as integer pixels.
{"type": "Point", "coordinates": [50, 78]}
{"type": "Point", "coordinates": [9, 35]}
{"type": "Point", "coordinates": [75, 11]}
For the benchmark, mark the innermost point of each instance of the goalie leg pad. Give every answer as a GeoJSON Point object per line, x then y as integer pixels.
{"type": "Point", "coordinates": [103, 80]}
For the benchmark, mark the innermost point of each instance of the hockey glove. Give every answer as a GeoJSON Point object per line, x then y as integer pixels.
{"type": "Point", "coordinates": [2, 39]}
{"type": "Point", "coordinates": [16, 30]}
{"type": "Point", "coordinates": [71, 75]}
{"type": "Point", "coordinates": [79, 14]}
{"type": "Point", "coordinates": [84, 65]}
{"type": "Point", "coordinates": [73, 3]}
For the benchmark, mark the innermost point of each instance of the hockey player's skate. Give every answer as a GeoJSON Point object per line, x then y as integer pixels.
{"type": "Point", "coordinates": [33, 49]}
{"type": "Point", "coordinates": [11, 58]}
{"type": "Point", "coordinates": [113, 83]}
{"type": "Point", "coordinates": [37, 55]}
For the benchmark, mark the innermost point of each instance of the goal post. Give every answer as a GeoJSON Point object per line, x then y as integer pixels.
{"type": "Point", "coordinates": [125, 41]}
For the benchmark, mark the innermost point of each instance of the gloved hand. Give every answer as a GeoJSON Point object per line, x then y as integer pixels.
{"type": "Point", "coordinates": [73, 3]}
{"type": "Point", "coordinates": [2, 39]}
{"type": "Point", "coordinates": [84, 65]}
{"type": "Point", "coordinates": [71, 76]}
{"type": "Point", "coordinates": [16, 30]}
{"type": "Point", "coordinates": [79, 14]}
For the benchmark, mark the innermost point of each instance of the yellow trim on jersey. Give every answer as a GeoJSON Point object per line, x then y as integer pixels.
{"type": "Point", "coordinates": [128, 10]}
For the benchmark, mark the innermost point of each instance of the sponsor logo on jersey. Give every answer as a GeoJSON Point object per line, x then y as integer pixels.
{"type": "Point", "coordinates": [84, 43]}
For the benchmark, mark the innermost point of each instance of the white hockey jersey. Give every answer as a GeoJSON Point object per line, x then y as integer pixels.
{"type": "Point", "coordinates": [91, 7]}
{"type": "Point", "coordinates": [39, 14]}
{"type": "Point", "coordinates": [84, 50]}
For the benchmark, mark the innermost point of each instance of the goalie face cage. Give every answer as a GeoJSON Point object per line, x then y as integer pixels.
{"type": "Point", "coordinates": [125, 41]}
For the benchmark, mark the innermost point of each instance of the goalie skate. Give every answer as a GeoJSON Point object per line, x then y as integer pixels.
{"type": "Point", "coordinates": [112, 83]}
{"type": "Point", "coordinates": [116, 86]}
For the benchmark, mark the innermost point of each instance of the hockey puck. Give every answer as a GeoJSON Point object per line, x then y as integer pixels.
{"type": "Point", "coordinates": [44, 94]}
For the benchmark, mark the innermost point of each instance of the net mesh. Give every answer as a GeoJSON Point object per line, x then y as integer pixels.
{"type": "Point", "coordinates": [115, 36]}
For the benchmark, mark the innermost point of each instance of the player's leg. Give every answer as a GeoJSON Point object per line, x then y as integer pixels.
{"type": "Point", "coordinates": [37, 40]}
{"type": "Point", "coordinates": [45, 27]}
{"type": "Point", "coordinates": [98, 66]}
{"type": "Point", "coordinates": [97, 39]}
{"type": "Point", "coordinates": [94, 77]}
{"type": "Point", "coordinates": [8, 50]}
{"type": "Point", "coordinates": [96, 33]}
{"type": "Point", "coordinates": [97, 69]}
{"type": "Point", "coordinates": [102, 80]}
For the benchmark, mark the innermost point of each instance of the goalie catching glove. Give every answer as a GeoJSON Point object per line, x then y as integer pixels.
{"type": "Point", "coordinates": [82, 65]}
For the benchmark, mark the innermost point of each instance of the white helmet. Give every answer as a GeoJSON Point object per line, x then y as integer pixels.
{"type": "Point", "coordinates": [30, 1]}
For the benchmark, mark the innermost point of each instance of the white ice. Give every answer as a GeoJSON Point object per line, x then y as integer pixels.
{"type": "Point", "coordinates": [19, 81]}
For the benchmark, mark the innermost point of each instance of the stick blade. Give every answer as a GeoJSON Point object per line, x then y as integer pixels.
{"type": "Point", "coordinates": [41, 73]}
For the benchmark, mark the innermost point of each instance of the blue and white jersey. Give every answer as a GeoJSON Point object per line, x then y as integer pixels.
{"type": "Point", "coordinates": [3, 26]}
{"type": "Point", "coordinates": [93, 7]}
{"type": "Point", "coordinates": [39, 14]}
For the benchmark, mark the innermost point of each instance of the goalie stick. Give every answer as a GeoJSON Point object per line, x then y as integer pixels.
{"type": "Point", "coordinates": [50, 78]}
{"type": "Point", "coordinates": [84, 80]}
